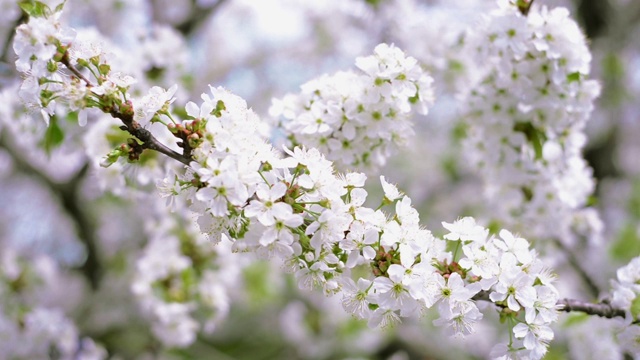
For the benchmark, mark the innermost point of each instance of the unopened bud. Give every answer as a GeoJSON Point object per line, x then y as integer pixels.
{"type": "Point", "coordinates": [127, 108]}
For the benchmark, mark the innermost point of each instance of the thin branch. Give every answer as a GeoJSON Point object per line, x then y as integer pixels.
{"type": "Point", "coordinates": [130, 125]}
{"type": "Point", "coordinates": [9, 40]}
{"type": "Point", "coordinates": [76, 72]}
{"type": "Point", "coordinates": [602, 309]}
{"type": "Point", "coordinates": [149, 141]}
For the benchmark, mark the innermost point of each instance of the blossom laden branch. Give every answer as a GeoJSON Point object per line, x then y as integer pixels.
{"type": "Point", "coordinates": [296, 208]}
{"type": "Point", "coordinates": [125, 113]}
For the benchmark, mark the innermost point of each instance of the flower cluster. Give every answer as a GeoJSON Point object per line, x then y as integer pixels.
{"type": "Point", "coordinates": [627, 288]}
{"type": "Point", "coordinates": [526, 118]}
{"type": "Point", "coordinates": [295, 208]}
{"type": "Point", "coordinates": [40, 45]}
{"type": "Point", "coordinates": [180, 274]}
{"type": "Point", "coordinates": [516, 280]}
{"type": "Point", "coordinates": [298, 210]}
{"type": "Point", "coordinates": [626, 295]}
{"type": "Point", "coordinates": [357, 119]}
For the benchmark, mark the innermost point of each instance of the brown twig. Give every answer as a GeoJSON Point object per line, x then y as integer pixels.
{"type": "Point", "coordinates": [9, 40]}
{"type": "Point", "coordinates": [130, 125]}
{"type": "Point", "coordinates": [602, 309]}
{"type": "Point", "coordinates": [148, 140]}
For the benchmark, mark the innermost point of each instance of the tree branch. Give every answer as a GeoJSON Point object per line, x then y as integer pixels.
{"type": "Point", "coordinates": [148, 140]}
{"type": "Point", "coordinates": [7, 45]}
{"type": "Point", "coordinates": [130, 125]}
{"type": "Point", "coordinates": [602, 309]}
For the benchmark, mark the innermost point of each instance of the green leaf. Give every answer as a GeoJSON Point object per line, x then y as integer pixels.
{"type": "Point", "coordinates": [459, 131]}
{"type": "Point", "coordinates": [634, 201]}
{"type": "Point", "coordinates": [627, 244]}
{"type": "Point", "coordinates": [535, 137]}
{"type": "Point", "coordinates": [60, 6]}
{"type": "Point", "coordinates": [455, 66]}
{"type": "Point", "coordinates": [35, 8]}
{"type": "Point", "coordinates": [54, 135]}
{"type": "Point", "coordinates": [575, 319]}
{"type": "Point", "coordinates": [635, 307]}
{"type": "Point", "coordinates": [576, 76]}
{"type": "Point", "coordinates": [613, 66]}
{"type": "Point", "coordinates": [494, 227]}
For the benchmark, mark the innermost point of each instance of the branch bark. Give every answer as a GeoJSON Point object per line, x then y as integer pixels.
{"type": "Point", "coordinates": [130, 125]}
{"type": "Point", "coordinates": [602, 309]}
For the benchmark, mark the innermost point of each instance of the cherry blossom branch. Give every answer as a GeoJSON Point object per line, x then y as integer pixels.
{"type": "Point", "coordinates": [76, 72]}
{"type": "Point", "coordinates": [148, 140]}
{"type": "Point", "coordinates": [130, 125]}
{"type": "Point", "coordinates": [602, 309]}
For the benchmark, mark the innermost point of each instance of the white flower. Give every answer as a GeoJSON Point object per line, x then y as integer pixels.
{"type": "Point", "coordinates": [544, 306]}
{"type": "Point", "coordinates": [355, 297]}
{"type": "Point", "coordinates": [390, 190]}
{"type": "Point", "coordinates": [147, 107]}
{"type": "Point", "coordinates": [392, 292]}
{"type": "Point", "coordinates": [481, 260]}
{"type": "Point", "coordinates": [459, 318]}
{"type": "Point", "coordinates": [629, 340]}
{"type": "Point", "coordinates": [630, 274]}
{"type": "Point", "coordinates": [280, 230]}
{"type": "Point", "coordinates": [358, 119]}
{"type": "Point", "coordinates": [517, 246]}
{"type": "Point", "coordinates": [175, 327]}
{"type": "Point", "coordinates": [384, 318]}
{"type": "Point", "coordinates": [514, 286]}
{"type": "Point", "coordinates": [466, 229]}
{"type": "Point", "coordinates": [267, 208]}
{"type": "Point", "coordinates": [536, 337]}
{"type": "Point", "coordinates": [360, 238]}
{"type": "Point", "coordinates": [453, 291]}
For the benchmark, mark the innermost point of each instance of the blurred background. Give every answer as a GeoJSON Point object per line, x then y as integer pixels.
{"type": "Point", "coordinates": [73, 235]}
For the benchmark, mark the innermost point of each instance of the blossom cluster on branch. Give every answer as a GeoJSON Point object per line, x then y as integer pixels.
{"type": "Point", "coordinates": [525, 133]}
{"type": "Point", "coordinates": [526, 120]}
{"type": "Point", "coordinates": [356, 119]}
